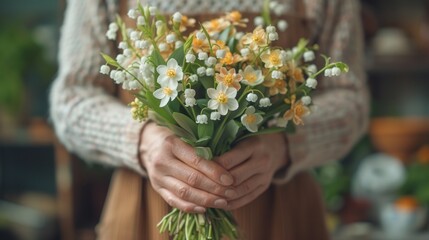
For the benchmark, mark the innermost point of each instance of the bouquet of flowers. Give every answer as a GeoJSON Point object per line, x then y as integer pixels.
{"type": "Point", "coordinates": [213, 86]}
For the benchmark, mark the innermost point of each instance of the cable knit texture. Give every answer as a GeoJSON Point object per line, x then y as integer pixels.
{"type": "Point", "coordinates": [92, 123]}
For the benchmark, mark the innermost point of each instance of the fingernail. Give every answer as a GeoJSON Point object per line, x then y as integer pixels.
{"type": "Point", "coordinates": [200, 209]}
{"type": "Point", "coordinates": [226, 180]}
{"type": "Point", "coordinates": [230, 193]}
{"type": "Point", "coordinates": [220, 203]}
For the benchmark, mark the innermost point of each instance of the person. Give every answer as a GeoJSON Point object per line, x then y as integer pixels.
{"type": "Point", "coordinates": [263, 179]}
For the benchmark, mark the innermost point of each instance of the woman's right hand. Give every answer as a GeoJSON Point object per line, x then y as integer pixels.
{"type": "Point", "coordinates": [184, 180]}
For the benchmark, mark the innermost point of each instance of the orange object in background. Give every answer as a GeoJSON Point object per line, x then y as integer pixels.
{"type": "Point", "coordinates": [406, 203]}
{"type": "Point", "coordinates": [423, 155]}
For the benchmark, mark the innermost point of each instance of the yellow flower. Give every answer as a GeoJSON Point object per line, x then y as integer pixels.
{"type": "Point", "coordinates": [296, 112]}
{"type": "Point", "coordinates": [251, 76]}
{"type": "Point", "coordinates": [276, 86]}
{"type": "Point", "coordinates": [186, 22]}
{"type": "Point", "coordinates": [230, 59]}
{"type": "Point", "coordinates": [229, 78]}
{"type": "Point", "coordinates": [237, 19]}
{"type": "Point", "coordinates": [200, 45]}
{"type": "Point", "coordinates": [256, 39]}
{"type": "Point", "coordinates": [272, 58]}
{"type": "Point", "coordinates": [215, 26]}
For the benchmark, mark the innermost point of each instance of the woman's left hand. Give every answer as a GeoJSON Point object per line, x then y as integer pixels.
{"type": "Point", "coordinates": [252, 164]}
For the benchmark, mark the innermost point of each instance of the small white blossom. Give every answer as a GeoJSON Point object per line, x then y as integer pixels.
{"type": "Point", "coordinates": [190, 58]}
{"type": "Point", "coordinates": [251, 97]}
{"type": "Point", "coordinates": [271, 29]}
{"type": "Point", "coordinates": [132, 13]}
{"type": "Point", "coordinates": [133, 85]}
{"type": "Point", "coordinates": [190, 102]}
{"type": "Point", "coordinates": [286, 56]}
{"type": "Point", "coordinates": [273, 4]}
{"type": "Point", "coordinates": [210, 72]}
{"type": "Point", "coordinates": [306, 100]}
{"type": "Point", "coordinates": [128, 52]}
{"type": "Point", "coordinates": [251, 76]}
{"type": "Point", "coordinates": [258, 21]}
{"type": "Point", "coordinates": [312, 69]}
{"type": "Point", "coordinates": [336, 71]}
{"type": "Point", "coordinates": [159, 24]}
{"type": "Point", "coordinates": [140, 44]}
{"type": "Point", "coordinates": [250, 119]}
{"type": "Point", "coordinates": [152, 11]}
{"type": "Point", "coordinates": [202, 56]}
{"type": "Point", "coordinates": [177, 17]}
{"type": "Point", "coordinates": [170, 74]}
{"type": "Point", "coordinates": [264, 102]}
{"type": "Point", "coordinates": [141, 21]}
{"type": "Point", "coordinates": [189, 93]}
{"type": "Point", "coordinates": [328, 72]}
{"type": "Point", "coordinates": [309, 56]}
{"type": "Point", "coordinates": [201, 71]}
{"type": "Point", "coordinates": [277, 74]}
{"type": "Point", "coordinates": [135, 35]}
{"type": "Point", "coordinates": [178, 44]}
{"type": "Point", "coordinates": [222, 99]}
{"type": "Point", "coordinates": [201, 36]}
{"type": "Point", "coordinates": [244, 52]}
{"type": "Point", "coordinates": [112, 74]}
{"type": "Point", "coordinates": [273, 36]}
{"type": "Point", "coordinates": [311, 83]}
{"type": "Point", "coordinates": [215, 116]}
{"type": "Point", "coordinates": [220, 53]}
{"type": "Point", "coordinates": [210, 61]}
{"type": "Point", "coordinates": [123, 45]}
{"type": "Point", "coordinates": [170, 38]}
{"type": "Point", "coordinates": [202, 119]}
{"type": "Point", "coordinates": [113, 27]}
{"type": "Point", "coordinates": [119, 77]}
{"type": "Point", "coordinates": [193, 78]}
{"type": "Point", "coordinates": [165, 94]}
{"type": "Point", "coordinates": [105, 69]}
{"type": "Point", "coordinates": [120, 59]}
{"type": "Point", "coordinates": [111, 35]}
{"type": "Point", "coordinates": [163, 47]}
{"type": "Point", "coordinates": [282, 25]}
{"type": "Point", "coordinates": [279, 10]}
{"type": "Point", "coordinates": [239, 35]}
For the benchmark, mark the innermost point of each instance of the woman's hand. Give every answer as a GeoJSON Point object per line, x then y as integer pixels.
{"type": "Point", "coordinates": [253, 163]}
{"type": "Point", "coordinates": [184, 180]}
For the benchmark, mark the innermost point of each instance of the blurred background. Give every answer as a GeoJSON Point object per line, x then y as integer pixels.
{"type": "Point", "coordinates": [378, 191]}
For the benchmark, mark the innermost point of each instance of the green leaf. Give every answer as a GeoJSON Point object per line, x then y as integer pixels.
{"type": "Point", "coordinates": [156, 58]}
{"type": "Point", "coordinates": [204, 152]}
{"type": "Point", "coordinates": [207, 82]}
{"type": "Point", "coordinates": [202, 103]}
{"type": "Point", "coordinates": [202, 142]}
{"type": "Point", "coordinates": [228, 136]}
{"type": "Point", "coordinates": [188, 44]}
{"type": "Point", "coordinates": [192, 143]}
{"type": "Point", "coordinates": [109, 60]}
{"type": "Point", "coordinates": [205, 130]}
{"type": "Point", "coordinates": [241, 109]}
{"type": "Point", "coordinates": [290, 128]}
{"type": "Point", "coordinates": [232, 43]}
{"type": "Point", "coordinates": [224, 35]}
{"type": "Point", "coordinates": [344, 67]}
{"type": "Point", "coordinates": [179, 55]}
{"type": "Point", "coordinates": [261, 132]}
{"type": "Point", "coordinates": [186, 123]}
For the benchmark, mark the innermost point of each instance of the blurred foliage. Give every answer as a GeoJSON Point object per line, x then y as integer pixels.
{"type": "Point", "coordinates": [21, 57]}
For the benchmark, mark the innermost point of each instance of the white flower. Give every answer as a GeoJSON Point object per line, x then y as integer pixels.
{"type": "Point", "coordinates": [273, 5]}
{"type": "Point", "coordinates": [244, 52]}
{"type": "Point", "coordinates": [251, 97]}
{"type": "Point", "coordinates": [271, 29]}
{"type": "Point", "coordinates": [210, 61]}
{"type": "Point", "coordinates": [178, 44]}
{"type": "Point", "coordinates": [112, 74]}
{"type": "Point", "coordinates": [336, 71]}
{"type": "Point", "coordinates": [306, 100]}
{"type": "Point", "coordinates": [134, 35]}
{"type": "Point", "coordinates": [104, 69]}
{"type": "Point", "coordinates": [282, 25]}
{"type": "Point", "coordinates": [202, 119]}
{"type": "Point", "coordinates": [251, 76]}
{"type": "Point", "coordinates": [328, 72]}
{"type": "Point", "coordinates": [141, 21]}
{"type": "Point", "coordinates": [159, 24]}
{"type": "Point", "coordinates": [202, 56]}
{"type": "Point", "coordinates": [201, 71]}
{"type": "Point", "coordinates": [111, 35]}
{"type": "Point", "coordinates": [123, 45]}
{"type": "Point", "coordinates": [193, 78]}
{"type": "Point", "coordinates": [132, 13]}
{"type": "Point", "coordinates": [177, 17]}
{"type": "Point", "coordinates": [133, 85]}
{"type": "Point", "coordinates": [312, 69]}
{"type": "Point", "coordinates": [250, 119]}
{"type": "Point", "coordinates": [152, 11]}
{"type": "Point", "coordinates": [222, 99]}
{"type": "Point", "coordinates": [215, 116]}
{"type": "Point", "coordinates": [170, 74]}
{"type": "Point", "coordinates": [286, 56]}
{"type": "Point", "coordinates": [311, 83]}
{"type": "Point", "coordinates": [273, 36]}
{"type": "Point", "coordinates": [279, 10]}
{"type": "Point", "coordinates": [170, 38]}
{"type": "Point", "coordinates": [189, 93]}
{"type": "Point", "coordinates": [201, 36]}
{"type": "Point", "coordinates": [239, 35]}
{"type": "Point", "coordinates": [189, 102]}
{"type": "Point", "coordinates": [277, 74]}
{"type": "Point", "coordinates": [113, 27]}
{"type": "Point", "coordinates": [220, 53]}
{"type": "Point", "coordinates": [210, 72]}
{"type": "Point", "coordinates": [258, 21]}
{"type": "Point", "coordinates": [163, 47]}
{"type": "Point", "coordinates": [128, 52]}
{"type": "Point", "coordinates": [264, 102]}
{"type": "Point", "coordinates": [309, 56]}
{"type": "Point", "coordinates": [190, 58]}
{"type": "Point", "coordinates": [165, 94]}
{"type": "Point", "coordinates": [120, 59]}
{"type": "Point", "coordinates": [119, 77]}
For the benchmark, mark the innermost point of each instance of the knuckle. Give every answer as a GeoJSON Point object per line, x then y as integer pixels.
{"type": "Point", "coordinates": [182, 192]}
{"type": "Point", "coordinates": [195, 160]}
{"type": "Point", "coordinates": [193, 179]}
{"type": "Point", "coordinates": [170, 201]}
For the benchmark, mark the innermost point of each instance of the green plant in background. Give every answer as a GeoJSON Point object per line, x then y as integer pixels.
{"type": "Point", "coordinates": [21, 57]}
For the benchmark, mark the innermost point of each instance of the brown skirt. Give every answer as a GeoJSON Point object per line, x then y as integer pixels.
{"type": "Point", "coordinates": [293, 211]}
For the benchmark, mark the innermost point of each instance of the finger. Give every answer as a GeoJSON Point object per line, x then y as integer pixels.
{"type": "Point", "coordinates": [249, 186]}
{"type": "Point", "coordinates": [211, 169]}
{"type": "Point", "coordinates": [193, 195]}
{"type": "Point", "coordinates": [176, 202]}
{"type": "Point", "coordinates": [255, 165]}
{"type": "Point", "coordinates": [237, 155]}
{"type": "Point", "coordinates": [247, 198]}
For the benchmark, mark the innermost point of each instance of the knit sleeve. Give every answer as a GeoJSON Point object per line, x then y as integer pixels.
{"type": "Point", "coordinates": [88, 119]}
{"type": "Point", "coordinates": [340, 113]}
